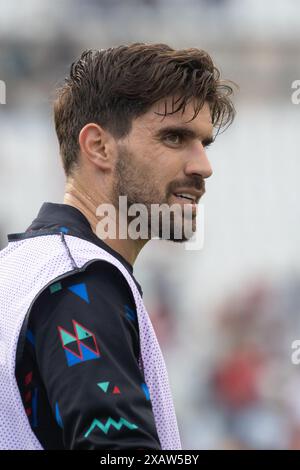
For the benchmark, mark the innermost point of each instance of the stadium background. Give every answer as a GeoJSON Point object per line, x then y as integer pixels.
{"type": "Point", "coordinates": [225, 316]}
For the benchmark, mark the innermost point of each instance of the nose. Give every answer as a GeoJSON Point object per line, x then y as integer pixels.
{"type": "Point", "coordinates": [198, 163]}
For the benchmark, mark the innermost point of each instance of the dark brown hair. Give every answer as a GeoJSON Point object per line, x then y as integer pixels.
{"type": "Point", "coordinates": [113, 86]}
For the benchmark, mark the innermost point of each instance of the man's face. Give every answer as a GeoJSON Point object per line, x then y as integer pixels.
{"type": "Point", "coordinates": [163, 158]}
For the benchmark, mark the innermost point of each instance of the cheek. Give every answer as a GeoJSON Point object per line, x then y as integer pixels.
{"type": "Point", "coordinates": [172, 167]}
{"type": "Point", "coordinates": [156, 167]}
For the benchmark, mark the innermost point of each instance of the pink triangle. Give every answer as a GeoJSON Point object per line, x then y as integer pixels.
{"type": "Point", "coordinates": [116, 390]}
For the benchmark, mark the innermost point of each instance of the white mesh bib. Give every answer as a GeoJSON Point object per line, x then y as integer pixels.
{"type": "Point", "coordinates": [27, 267]}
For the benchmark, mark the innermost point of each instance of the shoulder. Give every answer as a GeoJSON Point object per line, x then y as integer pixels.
{"type": "Point", "coordinates": [99, 278]}
{"type": "Point", "coordinates": [98, 295]}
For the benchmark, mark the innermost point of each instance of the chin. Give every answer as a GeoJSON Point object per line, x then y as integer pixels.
{"type": "Point", "coordinates": [179, 235]}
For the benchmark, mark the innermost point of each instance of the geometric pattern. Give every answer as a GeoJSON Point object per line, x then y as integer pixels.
{"type": "Point", "coordinates": [30, 400]}
{"type": "Point", "coordinates": [80, 290]}
{"type": "Point", "coordinates": [57, 416]}
{"type": "Point", "coordinates": [30, 337]}
{"type": "Point", "coordinates": [55, 287]}
{"type": "Point", "coordinates": [104, 386]}
{"type": "Point", "coordinates": [146, 390]}
{"type": "Point", "coordinates": [27, 398]}
{"type": "Point", "coordinates": [110, 423]}
{"type": "Point", "coordinates": [130, 314]}
{"type": "Point", "coordinates": [80, 347]}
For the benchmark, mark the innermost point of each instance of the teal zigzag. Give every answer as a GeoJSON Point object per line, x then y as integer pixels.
{"type": "Point", "coordinates": [110, 422]}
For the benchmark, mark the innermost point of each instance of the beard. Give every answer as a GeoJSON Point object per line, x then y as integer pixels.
{"type": "Point", "coordinates": [141, 186]}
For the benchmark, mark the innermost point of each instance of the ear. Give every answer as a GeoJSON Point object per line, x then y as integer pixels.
{"type": "Point", "coordinates": [96, 145]}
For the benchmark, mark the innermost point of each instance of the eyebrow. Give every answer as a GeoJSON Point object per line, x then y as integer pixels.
{"type": "Point", "coordinates": [184, 132]}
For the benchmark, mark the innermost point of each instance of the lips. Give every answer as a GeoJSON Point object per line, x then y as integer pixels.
{"type": "Point", "coordinates": [186, 197]}
{"type": "Point", "coordinates": [185, 202]}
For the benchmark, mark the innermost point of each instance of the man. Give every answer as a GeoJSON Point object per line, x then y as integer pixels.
{"type": "Point", "coordinates": [81, 367]}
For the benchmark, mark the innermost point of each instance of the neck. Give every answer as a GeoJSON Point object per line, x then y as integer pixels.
{"type": "Point", "coordinates": [78, 197]}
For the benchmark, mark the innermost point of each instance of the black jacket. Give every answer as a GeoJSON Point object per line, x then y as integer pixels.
{"type": "Point", "coordinates": [78, 371]}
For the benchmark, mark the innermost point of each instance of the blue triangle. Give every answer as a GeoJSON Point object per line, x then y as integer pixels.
{"type": "Point", "coordinates": [87, 354]}
{"type": "Point", "coordinates": [80, 290]}
{"type": "Point", "coordinates": [72, 359]}
{"type": "Point", "coordinates": [57, 416]}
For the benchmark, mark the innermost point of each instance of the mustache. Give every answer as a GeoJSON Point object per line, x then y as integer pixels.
{"type": "Point", "coordinates": [195, 182]}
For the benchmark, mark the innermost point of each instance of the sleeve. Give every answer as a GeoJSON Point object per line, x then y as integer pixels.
{"type": "Point", "coordinates": [87, 349]}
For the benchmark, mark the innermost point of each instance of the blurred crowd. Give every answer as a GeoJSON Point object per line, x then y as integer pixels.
{"type": "Point", "coordinates": [228, 351]}
{"type": "Point", "coordinates": [245, 392]}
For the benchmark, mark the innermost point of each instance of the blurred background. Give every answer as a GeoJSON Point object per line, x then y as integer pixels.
{"type": "Point", "coordinates": [226, 315]}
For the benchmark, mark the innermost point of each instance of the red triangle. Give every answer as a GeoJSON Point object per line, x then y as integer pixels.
{"type": "Point", "coordinates": [116, 390]}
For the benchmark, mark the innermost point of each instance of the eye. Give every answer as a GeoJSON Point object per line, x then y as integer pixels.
{"type": "Point", "coordinates": [206, 146]}
{"type": "Point", "coordinates": [174, 139]}
{"type": "Point", "coordinates": [207, 143]}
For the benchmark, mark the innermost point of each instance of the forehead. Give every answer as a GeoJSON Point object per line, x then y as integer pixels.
{"type": "Point", "coordinates": [152, 122]}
